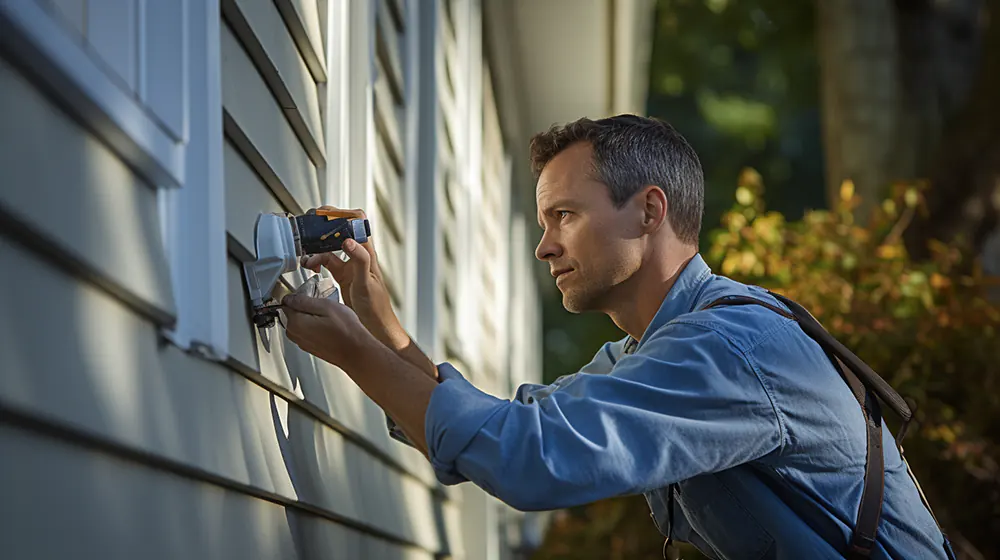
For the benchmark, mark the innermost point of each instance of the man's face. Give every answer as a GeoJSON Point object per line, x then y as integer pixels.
{"type": "Point", "coordinates": [591, 246]}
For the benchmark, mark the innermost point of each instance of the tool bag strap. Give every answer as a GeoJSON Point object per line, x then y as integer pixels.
{"type": "Point", "coordinates": [870, 509]}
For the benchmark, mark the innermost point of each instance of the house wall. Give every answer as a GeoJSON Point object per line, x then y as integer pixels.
{"type": "Point", "coordinates": [126, 444]}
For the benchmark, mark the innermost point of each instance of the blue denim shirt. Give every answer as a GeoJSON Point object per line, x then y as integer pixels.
{"type": "Point", "coordinates": [735, 404]}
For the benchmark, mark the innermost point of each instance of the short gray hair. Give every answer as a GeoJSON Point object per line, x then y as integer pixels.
{"type": "Point", "coordinates": [631, 152]}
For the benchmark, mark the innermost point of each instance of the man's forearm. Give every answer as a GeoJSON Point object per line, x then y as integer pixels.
{"type": "Point", "coordinates": [401, 388]}
{"type": "Point", "coordinates": [403, 344]}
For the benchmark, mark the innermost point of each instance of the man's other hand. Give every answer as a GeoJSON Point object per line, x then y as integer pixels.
{"type": "Point", "coordinates": [324, 328]}
{"type": "Point", "coordinates": [362, 285]}
{"type": "Point", "coordinates": [365, 291]}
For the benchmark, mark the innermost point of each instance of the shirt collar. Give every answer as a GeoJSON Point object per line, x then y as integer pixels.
{"type": "Point", "coordinates": [681, 298]}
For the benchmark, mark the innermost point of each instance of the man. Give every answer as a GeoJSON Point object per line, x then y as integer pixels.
{"type": "Point", "coordinates": [731, 421]}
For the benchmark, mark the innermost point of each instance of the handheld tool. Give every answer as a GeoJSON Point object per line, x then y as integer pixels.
{"type": "Point", "coordinates": [280, 240]}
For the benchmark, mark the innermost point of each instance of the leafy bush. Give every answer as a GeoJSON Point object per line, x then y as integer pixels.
{"type": "Point", "coordinates": [928, 328]}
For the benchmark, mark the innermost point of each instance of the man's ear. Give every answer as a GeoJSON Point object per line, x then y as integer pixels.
{"type": "Point", "coordinates": [654, 207]}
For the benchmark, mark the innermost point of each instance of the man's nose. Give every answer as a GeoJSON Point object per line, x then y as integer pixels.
{"type": "Point", "coordinates": [548, 247]}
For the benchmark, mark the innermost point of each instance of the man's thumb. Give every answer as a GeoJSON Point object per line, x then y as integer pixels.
{"type": "Point", "coordinates": [356, 252]}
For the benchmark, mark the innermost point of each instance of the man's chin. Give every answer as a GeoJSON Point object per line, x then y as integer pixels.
{"type": "Point", "coordinates": [575, 304]}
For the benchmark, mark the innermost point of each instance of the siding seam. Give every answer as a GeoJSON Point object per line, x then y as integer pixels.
{"type": "Point", "coordinates": [258, 163]}
{"type": "Point", "coordinates": [268, 70]}
{"type": "Point", "coordinates": [18, 231]}
{"type": "Point", "coordinates": [77, 437]}
{"type": "Point", "coordinates": [322, 417]}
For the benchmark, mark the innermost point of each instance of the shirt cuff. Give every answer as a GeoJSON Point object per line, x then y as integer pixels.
{"type": "Point", "coordinates": [395, 432]}
{"type": "Point", "coordinates": [456, 412]}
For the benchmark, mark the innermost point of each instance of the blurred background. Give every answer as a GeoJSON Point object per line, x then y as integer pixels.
{"type": "Point", "coordinates": [852, 160]}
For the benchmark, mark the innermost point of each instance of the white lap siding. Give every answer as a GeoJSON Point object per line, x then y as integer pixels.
{"type": "Point", "coordinates": [116, 440]}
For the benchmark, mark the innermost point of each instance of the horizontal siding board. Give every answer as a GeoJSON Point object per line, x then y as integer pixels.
{"type": "Point", "coordinates": [449, 249]}
{"type": "Point", "coordinates": [337, 475]}
{"type": "Point", "coordinates": [105, 507]}
{"type": "Point", "coordinates": [328, 467]}
{"type": "Point", "coordinates": [398, 9]}
{"type": "Point", "coordinates": [382, 550]}
{"type": "Point", "coordinates": [452, 60]}
{"type": "Point", "coordinates": [390, 253]}
{"type": "Point", "coordinates": [492, 133]}
{"type": "Point", "coordinates": [391, 224]}
{"type": "Point", "coordinates": [119, 383]}
{"type": "Point", "coordinates": [453, 521]}
{"type": "Point", "coordinates": [449, 206]}
{"type": "Point", "coordinates": [388, 185]}
{"type": "Point", "coordinates": [112, 376]}
{"type": "Point", "coordinates": [258, 25]}
{"type": "Point", "coordinates": [333, 473]}
{"type": "Point", "coordinates": [305, 23]}
{"type": "Point", "coordinates": [387, 50]}
{"type": "Point", "coordinates": [456, 194]}
{"type": "Point", "coordinates": [253, 109]}
{"type": "Point", "coordinates": [445, 144]}
{"type": "Point", "coordinates": [392, 181]}
{"type": "Point", "coordinates": [387, 119]}
{"type": "Point", "coordinates": [246, 197]}
{"type": "Point", "coordinates": [449, 111]}
{"type": "Point", "coordinates": [323, 540]}
{"type": "Point", "coordinates": [84, 199]}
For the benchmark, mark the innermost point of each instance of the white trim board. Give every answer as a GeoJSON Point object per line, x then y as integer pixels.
{"type": "Point", "coordinates": [194, 217]}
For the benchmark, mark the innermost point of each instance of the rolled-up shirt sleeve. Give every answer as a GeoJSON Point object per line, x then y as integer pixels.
{"type": "Point", "coordinates": [687, 402]}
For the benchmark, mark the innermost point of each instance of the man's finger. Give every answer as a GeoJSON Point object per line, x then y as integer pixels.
{"type": "Point", "coordinates": [370, 247]}
{"type": "Point", "coordinates": [299, 326]}
{"type": "Point", "coordinates": [313, 262]}
{"type": "Point", "coordinates": [306, 305]}
{"type": "Point", "coordinates": [298, 322]}
{"type": "Point", "coordinates": [359, 255]}
{"type": "Point", "coordinates": [331, 262]}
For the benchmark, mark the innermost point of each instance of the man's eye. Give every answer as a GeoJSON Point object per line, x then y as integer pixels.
{"type": "Point", "coordinates": [562, 213]}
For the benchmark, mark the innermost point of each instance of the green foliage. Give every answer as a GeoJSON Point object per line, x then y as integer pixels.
{"type": "Point", "coordinates": [738, 78]}
{"type": "Point", "coordinates": [926, 327]}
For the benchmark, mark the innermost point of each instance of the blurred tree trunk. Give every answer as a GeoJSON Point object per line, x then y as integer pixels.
{"type": "Point", "coordinates": [964, 199]}
{"type": "Point", "coordinates": [859, 93]}
{"type": "Point", "coordinates": [893, 73]}
{"type": "Point", "coordinates": [939, 52]}
{"type": "Point", "coordinates": [909, 91]}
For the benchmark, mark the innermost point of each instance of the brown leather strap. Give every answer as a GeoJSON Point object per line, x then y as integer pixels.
{"type": "Point", "coordinates": [870, 508]}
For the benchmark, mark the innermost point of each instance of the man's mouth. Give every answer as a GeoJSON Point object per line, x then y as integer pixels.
{"type": "Point", "coordinates": [561, 273]}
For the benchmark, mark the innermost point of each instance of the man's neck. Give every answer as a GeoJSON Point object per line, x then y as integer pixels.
{"type": "Point", "coordinates": [640, 297]}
